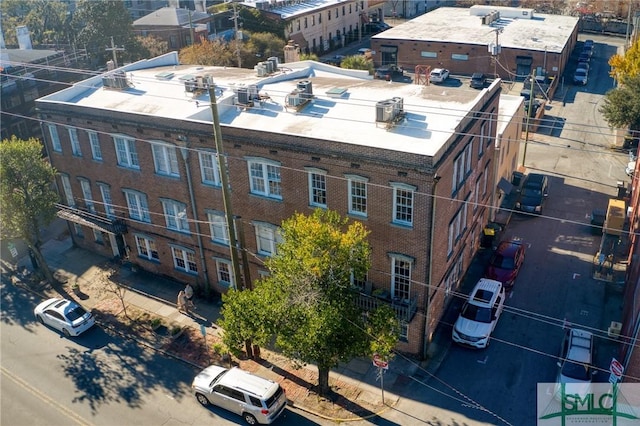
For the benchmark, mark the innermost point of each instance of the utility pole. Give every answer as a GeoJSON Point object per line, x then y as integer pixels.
{"type": "Point", "coordinates": [113, 50]}
{"type": "Point", "coordinates": [191, 29]}
{"type": "Point", "coordinates": [226, 196]}
{"type": "Point", "coordinates": [495, 51]}
{"type": "Point", "coordinates": [238, 34]}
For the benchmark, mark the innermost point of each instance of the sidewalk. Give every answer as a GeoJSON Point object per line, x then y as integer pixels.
{"type": "Point", "coordinates": [357, 393]}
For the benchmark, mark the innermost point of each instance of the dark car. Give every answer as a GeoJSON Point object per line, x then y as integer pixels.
{"type": "Point", "coordinates": [505, 263]}
{"type": "Point", "coordinates": [478, 80]}
{"type": "Point", "coordinates": [588, 43]}
{"type": "Point", "coordinates": [534, 192]}
{"type": "Point", "coordinates": [581, 77]}
{"type": "Point", "coordinates": [389, 72]}
{"type": "Point", "coordinates": [584, 57]}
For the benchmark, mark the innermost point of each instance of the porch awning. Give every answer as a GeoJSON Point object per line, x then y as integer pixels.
{"type": "Point", "coordinates": [91, 220]}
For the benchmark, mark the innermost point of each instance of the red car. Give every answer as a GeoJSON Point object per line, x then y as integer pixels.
{"type": "Point", "coordinates": [506, 262]}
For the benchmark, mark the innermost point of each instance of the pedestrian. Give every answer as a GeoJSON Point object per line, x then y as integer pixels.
{"type": "Point", "coordinates": [188, 292]}
{"type": "Point", "coordinates": [182, 302]}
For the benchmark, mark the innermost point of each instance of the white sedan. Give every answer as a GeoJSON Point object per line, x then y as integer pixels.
{"type": "Point", "coordinates": [64, 315]}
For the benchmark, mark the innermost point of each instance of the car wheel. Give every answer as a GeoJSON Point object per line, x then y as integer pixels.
{"type": "Point", "coordinates": [249, 419]}
{"type": "Point", "coordinates": [202, 399]}
{"type": "Point", "coordinates": [39, 318]}
{"type": "Point", "coordinates": [66, 332]}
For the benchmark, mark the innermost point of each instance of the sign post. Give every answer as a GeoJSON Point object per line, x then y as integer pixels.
{"type": "Point", "coordinates": [382, 366]}
{"type": "Point", "coordinates": [616, 369]}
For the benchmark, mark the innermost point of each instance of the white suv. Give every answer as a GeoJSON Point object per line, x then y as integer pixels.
{"type": "Point", "coordinates": [256, 399]}
{"type": "Point", "coordinates": [438, 75]}
{"type": "Point", "coordinates": [479, 314]}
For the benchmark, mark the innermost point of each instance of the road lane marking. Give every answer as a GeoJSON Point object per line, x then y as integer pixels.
{"type": "Point", "coordinates": [61, 408]}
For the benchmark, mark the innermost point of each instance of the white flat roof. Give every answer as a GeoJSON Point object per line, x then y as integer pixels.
{"type": "Point", "coordinates": [291, 8]}
{"type": "Point", "coordinates": [432, 112]}
{"type": "Point", "coordinates": [458, 25]}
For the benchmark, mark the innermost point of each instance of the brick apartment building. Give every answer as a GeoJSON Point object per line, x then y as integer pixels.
{"type": "Point", "coordinates": [139, 178]}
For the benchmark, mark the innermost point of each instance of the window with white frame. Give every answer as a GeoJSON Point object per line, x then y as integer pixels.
{"type": "Point", "coordinates": [483, 138]}
{"type": "Point", "coordinates": [225, 272]}
{"type": "Point", "coordinates": [105, 191]}
{"type": "Point", "coordinates": [66, 188]}
{"type": "Point", "coordinates": [267, 238]}
{"type": "Point", "coordinates": [137, 205]}
{"type": "Point", "coordinates": [476, 194]}
{"type": "Point", "coordinates": [404, 331]}
{"type": "Point", "coordinates": [184, 260]}
{"type": "Point", "coordinates": [357, 186]}
{"type": "Point", "coordinates": [209, 168]}
{"type": "Point", "coordinates": [96, 151]}
{"type": "Point", "coordinates": [457, 227]}
{"type": "Point", "coordinates": [484, 180]}
{"type": "Point", "coordinates": [403, 195]}
{"type": "Point", "coordinates": [126, 152]}
{"type": "Point", "coordinates": [359, 283]}
{"type": "Point", "coordinates": [78, 230]}
{"type": "Point", "coordinates": [264, 178]}
{"type": "Point", "coordinates": [175, 214]}
{"type": "Point", "coordinates": [454, 277]}
{"type": "Point", "coordinates": [147, 248]}
{"type": "Point", "coordinates": [97, 236]}
{"type": "Point", "coordinates": [86, 194]}
{"type": "Point", "coordinates": [317, 187]}
{"type": "Point", "coordinates": [401, 276]}
{"type": "Point", "coordinates": [218, 227]}
{"type": "Point", "coordinates": [75, 142]}
{"type": "Point", "coordinates": [461, 167]}
{"type": "Point", "coordinates": [165, 159]}
{"type": "Point", "coordinates": [55, 138]}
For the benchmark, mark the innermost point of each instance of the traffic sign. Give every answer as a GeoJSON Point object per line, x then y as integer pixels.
{"type": "Point", "coordinates": [379, 362]}
{"type": "Point", "coordinates": [616, 368]}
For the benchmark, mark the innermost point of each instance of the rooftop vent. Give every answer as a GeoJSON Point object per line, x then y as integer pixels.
{"type": "Point", "coordinates": [115, 80]}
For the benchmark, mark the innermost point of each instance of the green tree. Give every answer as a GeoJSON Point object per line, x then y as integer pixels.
{"type": "Point", "coordinates": [26, 194]}
{"type": "Point", "coordinates": [262, 46]}
{"type": "Point", "coordinates": [216, 52]}
{"type": "Point", "coordinates": [96, 22]}
{"type": "Point", "coordinates": [48, 20]}
{"type": "Point", "coordinates": [357, 62]}
{"type": "Point", "coordinates": [627, 65]}
{"type": "Point", "coordinates": [384, 330]}
{"type": "Point", "coordinates": [153, 45]}
{"type": "Point", "coordinates": [621, 106]}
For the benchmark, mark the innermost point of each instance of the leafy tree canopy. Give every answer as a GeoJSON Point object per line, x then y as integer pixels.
{"type": "Point", "coordinates": [621, 106]}
{"type": "Point", "coordinates": [48, 21]}
{"type": "Point", "coordinates": [357, 62]}
{"type": "Point", "coordinates": [627, 65]}
{"type": "Point", "coordinates": [216, 52]}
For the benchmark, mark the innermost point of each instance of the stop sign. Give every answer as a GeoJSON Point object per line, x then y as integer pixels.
{"type": "Point", "coordinates": [379, 362]}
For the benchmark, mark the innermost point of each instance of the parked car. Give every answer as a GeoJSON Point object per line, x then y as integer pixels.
{"type": "Point", "coordinates": [438, 75]}
{"type": "Point", "coordinates": [335, 60]}
{"type": "Point", "coordinates": [631, 168]}
{"type": "Point", "coordinates": [65, 316]}
{"type": "Point", "coordinates": [588, 43]}
{"type": "Point", "coordinates": [376, 27]}
{"type": "Point", "coordinates": [588, 50]}
{"type": "Point", "coordinates": [575, 366]}
{"type": "Point", "coordinates": [480, 314]}
{"type": "Point", "coordinates": [478, 80]}
{"type": "Point", "coordinates": [505, 263]}
{"type": "Point", "coordinates": [535, 191]}
{"type": "Point", "coordinates": [256, 399]}
{"type": "Point", "coordinates": [580, 77]}
{"type": "Point", "coordinates": [584, 57]}
{"type": "Point", "coordinates": [389, 72]}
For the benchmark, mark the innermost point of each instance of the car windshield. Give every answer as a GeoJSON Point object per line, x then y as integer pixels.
{"type": "Point", "coordinates": [581, 72]}
{"type": "Point", "coordinates": [476, 313]}
{"type": "Point", "coordinates": [575, 370]}
{"type": "Point", "coordinates": [502, 262]}
{"type": "Point", "coordinates": [531, 192]}
{"type": "Point", "coordinates": [75, 313]}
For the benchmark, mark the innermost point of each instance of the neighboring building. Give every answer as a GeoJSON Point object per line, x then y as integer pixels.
{"type": "Point", "coordinates": [629, 353]}
{"type": "Point", "coordinates": [464, 40]}
{"type": "Point", "coordinates": [138, 172]}
{"type": "Point", "coordinates": [140, 8]}
{"type": "Point", "coordinates": [175, 26]}
{"type": "Point", "coordinates": [26, 75]}
{"type": "Point", "coordinates": [317, 26]}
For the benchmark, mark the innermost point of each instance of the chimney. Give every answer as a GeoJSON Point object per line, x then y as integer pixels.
{"type": "Point", "coordinates": [24, 38]}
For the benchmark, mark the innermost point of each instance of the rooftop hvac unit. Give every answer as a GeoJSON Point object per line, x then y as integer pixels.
{"type": "Point", "coordinates": [208, 79]}
{"type": "Point", "coordinates": [269, 66]}
{"type": "Point", "coordinates": [294, 98]}
{"type": "Point", "coordinates": [189, 86]}
{"type": "Point", "coordinates": [385, 110]}
{"type": "Point", "coordinates": [306, 87]}
{"type": "Point", "coordinates": [399, 105]}
{"type": "Point", "coordinates": [243, 95]}
{"type": "Point", "coordinates": [200, 82]}
{"type": "Point", "coordinates": [274, 63]}
{"type": "Point", "coordinates": [253, 91]}
{"type": "Point", "coordinates": [261, 69]}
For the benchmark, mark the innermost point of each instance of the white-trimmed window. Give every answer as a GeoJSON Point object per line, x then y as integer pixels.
{"type": "Point", "coordinates": [78, 230]}
{"type": "Point", "coordinates": [264, 177]}
{"type": "Point", "coordinates": [403, 199]}
{"type": "Point", "coordinates": [184, 260]}
{"type": "Point", "coordinates": [483, 138]}
{"type": "Point", "coordinates": [404, 331]}
{"type": "Point", "coordinates": [476, 194]}
{"type": "Point", "coordinates": [126, 152]}
{"type": "Point", "coordinates": [97, 236]}
{"type": "Point", "coordinates": [218, 227]}
{"type": "Point", "coordinates": [461, 167]}
{"type": "Point", "coordinates": [175, 214]}
{"type": "Point", "coordinates": [209, 168]}
{"type": "Point", "coordinates": [401, 276]}
{"type": "Point", "coordinates": [357, 186]}
{"type": "Point", "coordinates": [105, 191]}
{"type": "Point", "coordinates": [225, 272]}
{"type": "Point", "coordinates": [75, 142]}
{"type": "Point", "coordinates": [96, 151]}
{"type": "Point", "coordinates": [147, 248]}
{"type": "Point", "coordinates": [360, 284]}
{"type": "Point", "coordinates": [267, 238]}
{"type": "Point", "coordinates": [86, 194]}
{"type": "Point", "coordinates": [484, 180]}
{"type": "Point", "coordinates": [457, 227]}
{"type": "Point", "coordinates": [455, 276]}
{"type": "Point", "coordinates": [138, 206]}
{"type": "Point", "coordinates": [317, 187]}
{"type": "Point", "coordinates": [66, 188]}
{"type": "Point", "coordinates": [55, 138]}
{"type": "Point", "coordinates": [165, 159]}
